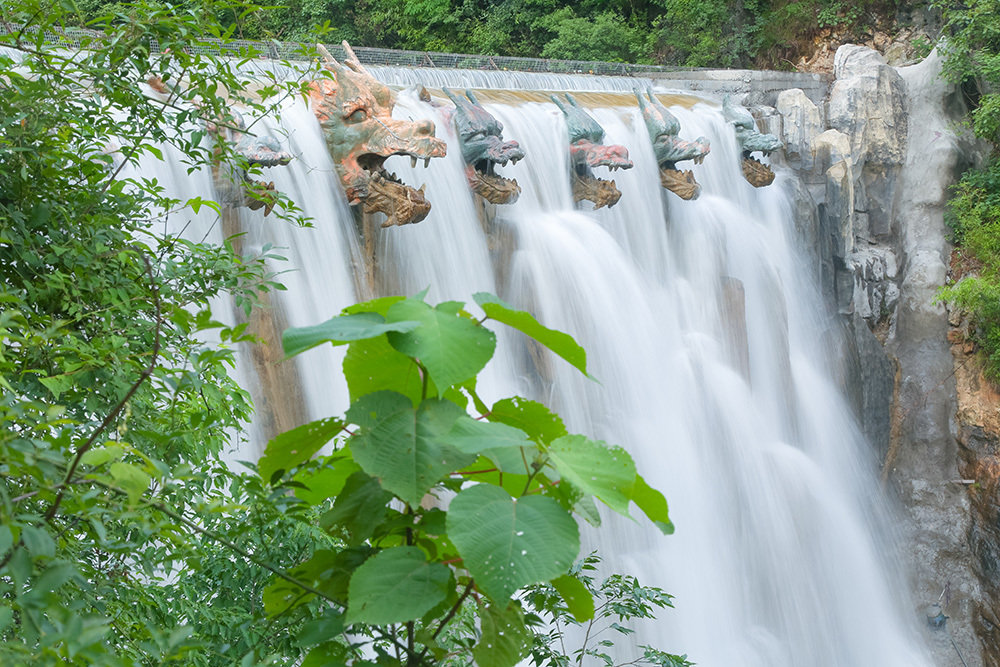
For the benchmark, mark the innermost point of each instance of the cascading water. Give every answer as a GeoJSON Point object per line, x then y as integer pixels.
{"type": "Point", "coordinates": [704, 327]}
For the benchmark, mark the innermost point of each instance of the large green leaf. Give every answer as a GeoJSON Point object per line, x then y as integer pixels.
{"type": "Point", "coordinates": [330, 654]}
{"type": "Point", "coordinates": [607, 473]}
{"type": "Point", "coordinates": [473, 436]}
{"type": "Point", "coordinates": [359, 509]}
{"type": "Point", "coordinates": [328, 481]}
{"type": "Point", "coordinates": [557, 341]}
{"type": "Point", "coordinates": [340, 330]}
{"type": "Point", "coordinates": [321, 629]}
{"type": "Point", "coordinates": [505, 640]}
{"type": "Point", "coordinates": [578, 599]}
{"type": "Point", "coordinates": [402, 446]}
{"type": "Point", "coordinates": [451, 347]}
{"type": "Point", "coordinates": [506, 543]}
{"type": "Point", "coordinates": [507, 447]}
{"type": "Point", "coordinates": [297, 446]}
{"type": "Point", "coordinates": [396, 586]}
{"type": "Point", "coordinates": [653, 505]}
{"type": "Point", "coordinates": [380, 305]}
{"type": "Point", "coordinates": [373, 365]}
{"type": "Point", "coordinates": [540, 423]}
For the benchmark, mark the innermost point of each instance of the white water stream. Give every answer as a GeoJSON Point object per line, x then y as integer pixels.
{"type": "Point", "coordinates": [780, 522]}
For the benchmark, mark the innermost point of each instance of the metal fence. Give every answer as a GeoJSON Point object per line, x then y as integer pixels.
{"type": "Point", "coordinates": [74, 38]}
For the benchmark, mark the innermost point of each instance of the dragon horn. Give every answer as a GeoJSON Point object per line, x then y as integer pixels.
{"type": "Point", "coordinates": [471, 96]}
{"type": "Point", "coordinates": [558, 103]}
{"type": "Point", "coordinates": [352, 60]}
{"type": "Point", "coordinates": [326, 55]}
{"type": "Point", "coordinates": [572, 101]}
{"type": "Point", "coordinates": [451, 96]}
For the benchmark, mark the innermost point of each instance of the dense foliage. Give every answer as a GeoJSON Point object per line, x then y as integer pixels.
{"type": "Point", "coordinates": [717, 33]}
{"type": "Point", "coordinates": [972, 59]}
{"type": "Point", "coordinates": [124, 538]}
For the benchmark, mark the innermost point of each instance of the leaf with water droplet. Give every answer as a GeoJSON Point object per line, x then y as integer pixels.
{"type": "Point", "coordinates": [403, 446]}
{"type": "Point", "coordinates": [578, 599]}
{"type": "Point", "coordinates": [505, 639]}
{"type": "Point", "coordinates": [607, 473]}
{"type": "Point", "coordinates": [395, 586]}
{"type": "Point", "coordinates": [488, 527]}
{"type": "Point", "coordinates": [451, 346]}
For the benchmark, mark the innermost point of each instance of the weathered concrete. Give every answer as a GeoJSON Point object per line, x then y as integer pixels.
{"type": "Point", "coordinates": [751, 87]}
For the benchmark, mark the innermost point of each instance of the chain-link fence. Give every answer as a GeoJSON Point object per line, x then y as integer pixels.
{"type": "Point", "coordinates": [74, 37]}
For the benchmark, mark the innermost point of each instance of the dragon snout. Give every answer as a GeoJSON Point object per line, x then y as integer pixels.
{"type": "Point", "coordinates": [509, 151]}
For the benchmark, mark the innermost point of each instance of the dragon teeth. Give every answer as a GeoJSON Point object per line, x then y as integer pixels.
{"type": "Point", "coordinates": [427, 162]}
{"type": "Point", "coordinates": [413, 161]}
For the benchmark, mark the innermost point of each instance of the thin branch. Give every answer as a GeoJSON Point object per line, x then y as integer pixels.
{"type": "Point", "coordinates": [125, 399]}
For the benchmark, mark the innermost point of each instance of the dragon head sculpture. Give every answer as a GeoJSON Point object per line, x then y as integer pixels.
{"type": "Point", "coordinates": [233, 184]}
{"type": "Point", "coordinates": [587, 152]}
{"type": "Point", "coordinates": [669, 148]}
{"type": "Point", "coordinates": [355, 113]}
{"type": "Point", "coordinates": [756, 172]}
{"type": "Point", "coordinates": [481, 138]}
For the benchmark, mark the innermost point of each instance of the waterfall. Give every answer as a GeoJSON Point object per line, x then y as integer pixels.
{"type": "Point", "coordinates": [703, 323]}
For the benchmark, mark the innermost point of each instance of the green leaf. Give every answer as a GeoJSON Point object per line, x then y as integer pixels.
{"type": "Point", "coordinates": [506, 543]}
{"type": "Point", "coordinates": [451, 347]}
{"type": "Point", "coordinates": [321, 629]}
{"type": "Point", "coordinates": [6, 539]}
{"type": "Point", "coordinates": [541, 424]}
{"type": "Point", "coordinates": [331, 654]}
{"type": "Point", "coordinates": [653, 505]}
{"type": "Point", "coordinates": [557, 341]}
{"type": "Point", "coordinates": [112, 451]}
{"type": "Point", "coordinates": [328, 481]}
{"type": "Point", "coordinates": [402, 445]}
{"type": "Point", "coordinates": [6, 618]}
{"type": "Point", "coordinates": [359, 508]}
{"type": "Point", "coordinates": [380, 305]}
{"type": "Point", "coordinates": [38, 542]}
{"type": "Point", "coordinates": [505, 640]}
{"type": "Point", "coordinates": [507, 447]}
{"type": "Point", "coordinates": [607, 473]}
{"type": "Point", "coordinates": [297, 446]}
{"type": "Point", "coordinates": [578, 599]}
{"type": "Point", "coordinates": [395, 586]}
{"type": "Point", "coordinates": [373, 365]}
{"type": "Point", "coordinates": [587, 508]}
{"type": "Point", "coordinates": [340, 330]}
{"type": "Point", "coordinates": [131, 479]}
{"type": "Point", "coordinates": [474, 436]}
{"type": "Point", "coordinates": [57, 384]}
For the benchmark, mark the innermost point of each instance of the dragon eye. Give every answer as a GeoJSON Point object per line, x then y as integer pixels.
{"type": "Point", "coordinates": [358, 116]}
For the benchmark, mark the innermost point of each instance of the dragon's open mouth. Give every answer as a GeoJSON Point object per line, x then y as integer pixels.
{"type": "Point", "coordinates": [681, 183]}
{"type": "Point", "coordinates": [587, 155]}
{"type": "Point", "coordinates": [756, 172]}
{"type": "Point", "coordinates": [597, 190]}
{"type": "Point", "coordinates": [490, 185]}
{"type": "Point", "coordinates": [401, 203]}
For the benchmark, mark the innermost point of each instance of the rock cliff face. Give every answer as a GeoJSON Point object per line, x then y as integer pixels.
{"type": "Point", "coordinates": [876, 162]}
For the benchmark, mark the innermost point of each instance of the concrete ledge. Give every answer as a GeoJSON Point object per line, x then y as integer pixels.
{"type": "Point", "coordinates": [751, 87]}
